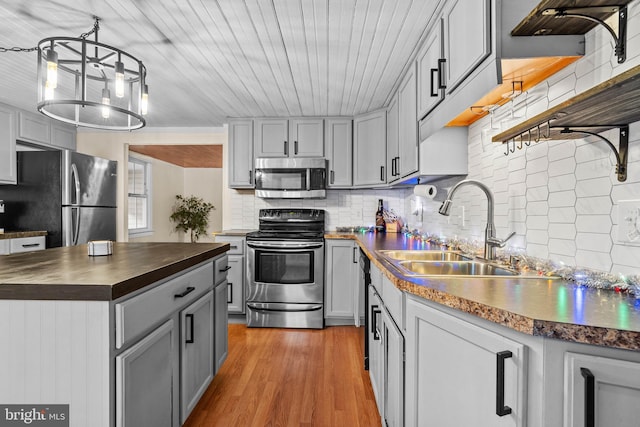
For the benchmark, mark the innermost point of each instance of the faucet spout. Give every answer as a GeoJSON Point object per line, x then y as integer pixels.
{"type": "Point", "coordinates": [490, 240]}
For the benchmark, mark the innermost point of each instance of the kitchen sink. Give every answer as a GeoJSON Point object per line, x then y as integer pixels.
{"type": "Point", "coordinates": [418, 255]}
{"type": "Point", "coordinates": [453, 268]}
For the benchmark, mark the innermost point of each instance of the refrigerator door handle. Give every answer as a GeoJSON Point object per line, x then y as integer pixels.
{"type": "Point", "coordinates": [76, 226]}
{"type": "Point", "coordinates": [75, 182]}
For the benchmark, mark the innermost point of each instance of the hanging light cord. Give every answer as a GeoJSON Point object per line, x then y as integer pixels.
{"type": "Point", "coordinates": [96, 27]}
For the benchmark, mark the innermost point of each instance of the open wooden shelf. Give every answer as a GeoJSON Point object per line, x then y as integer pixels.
{"type": "Point", "coordinates": [611, 104]}
{"type": "Point", "coordinates": [537, 24]}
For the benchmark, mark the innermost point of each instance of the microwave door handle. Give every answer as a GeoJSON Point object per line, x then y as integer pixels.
{"type": "Point", "coordinates": [308, 173]}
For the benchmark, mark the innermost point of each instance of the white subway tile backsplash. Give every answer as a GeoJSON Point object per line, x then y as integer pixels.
{"type": "Point", "coordinates": [561, 150]}
{"type": "Point", "coordinates": [562, 231]}
{"type": "Point", "coordinates": [562, 182]}
{"type": "Point", "coordinates": [537, 250]}
{"type": "Point", "coordinates": [593, 205]}
{"type": "Point", "coordinates": [537, 179]}
{"type": "Point", "coordinates": [562, 198]}
{"type": "Point", "coordinates": [594, 187]}
{"type": "Point", "coordinates": [536, 194]}
{"type": "Point", "coordinates": [562, 167]}
{"type": "Point", "coordinates": [537, 208]}
{"type": "Point", "coordinates": [594, 224]}
{"type": "Point", "coordinates": [538, 222]}
{"type": "Point", "coordinates": [540, 237]}
{"type": "Point", "coordinates": [593, 259]}
{"type": "Point", "coordinates": [562, 215]}
{"type": "Point", "coordinates": [594, 242]}
{"type": "Point", "coordinates": [566, 86]}
{"type": "Point", "coordinates": [562, 246]}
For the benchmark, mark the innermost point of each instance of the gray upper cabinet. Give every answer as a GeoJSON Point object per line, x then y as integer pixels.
{"type": "Point", "coordinates": [339, 138]}
{"type": "Point", "coordinates": [289, 138]}
{"type": "Point", "coordinates": [306, 138]}
{"type": "Point", "coordinates": [38, 129]}
{"type": "Point", "coordinates": [467, 38]}
{"type": "Point", "coordinates": [392, 140]}
{"type": "Point", "coordinates": [63, 136]}
{"type": "Point", "coordinates": [271, 138]}
{"type": "Point", "coordinates": [407, 162]}
{"type": "Point", "coordinates": [369, 149]}
{"type": "Point", "coordinates": [430, 70]}
{"type": "Point", "coordinates": [8, 173]}
{"type": "Point", "coordinates": [241, 153]}
{"type": "Point", "coordinates": [33, 128]}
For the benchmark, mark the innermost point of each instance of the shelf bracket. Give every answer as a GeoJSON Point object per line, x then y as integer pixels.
{"type": "Point", "coordinates": [621, 152]}
{"type": "Point", "coordinates": [587, 13]}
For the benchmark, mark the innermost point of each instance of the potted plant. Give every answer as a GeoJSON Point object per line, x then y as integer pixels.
{"type": "Point", "coordinates": [191, 214]}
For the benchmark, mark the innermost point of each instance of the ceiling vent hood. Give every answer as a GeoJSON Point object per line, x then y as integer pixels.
{"type": "Point", "coordinates": [512, 65]}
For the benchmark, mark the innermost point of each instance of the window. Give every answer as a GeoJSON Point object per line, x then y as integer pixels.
{"type": "Point", "coordinates": [139, 196]}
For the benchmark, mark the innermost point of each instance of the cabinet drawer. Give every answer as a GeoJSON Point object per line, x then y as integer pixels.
{"type": "Point", "coordinates": [392, 298]}
{"type": "Point", "coordinates": [140, 313]}
{"type": "Point", "coordinates": [236, 243]}
{"type": "Point", "coordinates": [26, 244]}
{"type": "Point", "coordinates": [221, 266]}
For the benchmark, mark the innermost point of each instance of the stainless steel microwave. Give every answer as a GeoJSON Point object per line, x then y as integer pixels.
{"type": "Point", "coordinates": [291, 178]}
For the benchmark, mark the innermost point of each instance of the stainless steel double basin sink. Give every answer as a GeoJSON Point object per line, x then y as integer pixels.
{"type": "Point", "coordinates": [420, 263]}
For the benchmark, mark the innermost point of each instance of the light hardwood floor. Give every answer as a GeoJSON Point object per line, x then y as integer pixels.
{"type": "Point", "coordinates": [290, 377]}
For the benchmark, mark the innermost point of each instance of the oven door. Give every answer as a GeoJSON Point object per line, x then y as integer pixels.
{"type": "Point", "coordinates": [285, 271]}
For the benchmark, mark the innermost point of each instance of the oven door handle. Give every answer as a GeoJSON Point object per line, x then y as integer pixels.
{"type": "Point", "coordinates": [289, 308]}
{"type": "Point", "coordinates": [288, 245]}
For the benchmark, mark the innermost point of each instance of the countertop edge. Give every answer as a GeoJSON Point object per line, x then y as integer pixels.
{"type": "Point", "coordinates": [585, 334]}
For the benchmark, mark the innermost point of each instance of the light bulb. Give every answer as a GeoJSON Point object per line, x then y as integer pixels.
{"type": "Point", "coordinates": [52, 68]}
{"type": "Point", "coordinates": [106, 101]}
{"type": "Point", "coordinates": [48, 91]}
{"type": "Point", "coordinates": [144, 100]}
{"type": "Point", "coordinates": [119, 70]}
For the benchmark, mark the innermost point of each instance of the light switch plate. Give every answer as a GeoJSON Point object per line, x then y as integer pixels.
{"type": "Point", "coordinates": [629, 222]}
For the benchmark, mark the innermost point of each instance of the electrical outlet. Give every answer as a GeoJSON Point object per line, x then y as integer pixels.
{"type": "Point", "coordinates": [629, 222]}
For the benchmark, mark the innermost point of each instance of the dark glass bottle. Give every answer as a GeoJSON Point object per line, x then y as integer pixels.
{"type": "Point", "coordinates": [380, 225]}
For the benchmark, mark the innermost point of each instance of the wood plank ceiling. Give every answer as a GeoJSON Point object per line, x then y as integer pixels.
{"type": "Point", "coordinates": [212, 59]}
{"type": "Point", "coordinates": [187, 156]}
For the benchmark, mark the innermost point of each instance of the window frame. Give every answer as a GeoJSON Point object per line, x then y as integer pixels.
{"type": "Point", "coordinates": [139, 232]}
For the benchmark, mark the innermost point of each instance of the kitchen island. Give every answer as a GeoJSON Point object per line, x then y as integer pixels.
{"type": "Point", "coordinates": [129, 339]}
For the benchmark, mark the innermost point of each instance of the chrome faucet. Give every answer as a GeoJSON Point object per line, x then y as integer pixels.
{"type": "Point", "coordinates": [490, 239]}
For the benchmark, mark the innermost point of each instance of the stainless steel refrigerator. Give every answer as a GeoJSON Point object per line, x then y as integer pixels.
{"type": "Point", "coordinates": [70, 195]}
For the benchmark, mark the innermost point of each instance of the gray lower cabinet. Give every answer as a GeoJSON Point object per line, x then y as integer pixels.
{"type": "Point", "coordinates": [147, 380]}
{"type": "Point", "coordinates": [459, 374]}
{"type": "Point", "coordinates": [197, 352]}
{"type": "Point", "coordinates": [386, 357]}
{"type": "Point", "coordinates": [235, 287]}
{"type": "Point", "coordinates": [344, 298]}
{"type": "Point", "coordinates": [221, 347]}
{"type": "Point", "coordinates": [172, 340]}
{"type": "Point", "coordinates": [393, 368]}
{"type": "Point", "coordinates": [376, 347]}
{"type": "Point", "coordinates": [235, 273]}
{"type": "Point", "coordinates": [600, 391]}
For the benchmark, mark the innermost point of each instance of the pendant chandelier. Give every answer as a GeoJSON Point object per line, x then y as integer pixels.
{"type": "Point", "coordinates": [91, 84]}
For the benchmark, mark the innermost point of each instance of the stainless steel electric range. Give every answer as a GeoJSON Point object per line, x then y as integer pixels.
{"type": "Point", "coordinates": [285, 269]}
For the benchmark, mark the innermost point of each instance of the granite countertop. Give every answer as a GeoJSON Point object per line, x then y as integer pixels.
{"type": "Point", "coordinates": [19, 234]}
{"type": "Point", "coordinates": [532, 305]}
{"type": "Point", "coordinates": [68, 273]}
{"type": "Point", "coordinates": [233, 232]}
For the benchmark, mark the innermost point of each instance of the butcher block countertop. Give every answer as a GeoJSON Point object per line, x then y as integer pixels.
{"type": "Point", "coordinates": [21, 234]}
{"type": "Point", "coordinates": [68, 273]}
{"type": "Point", "coordinates": [534, 306]}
